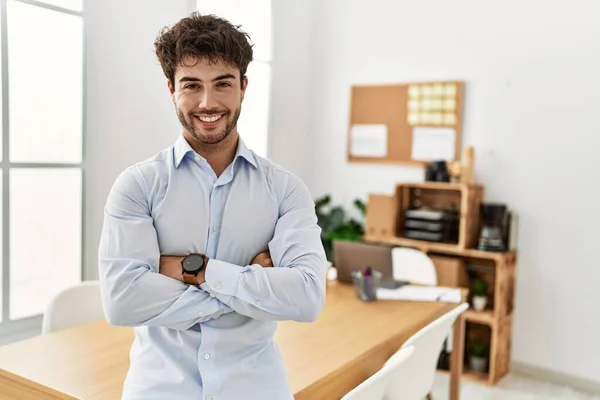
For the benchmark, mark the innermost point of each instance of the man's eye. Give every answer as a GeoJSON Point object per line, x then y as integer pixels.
{"type": "Point", "coordinates": [192, 86]}
{"type": "Point", "coordinates": [224, 84]}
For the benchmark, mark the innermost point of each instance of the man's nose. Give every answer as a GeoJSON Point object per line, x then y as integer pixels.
{"type": "Point", "coordinates": [207, 100]}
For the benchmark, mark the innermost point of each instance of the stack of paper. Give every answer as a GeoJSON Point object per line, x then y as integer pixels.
{"type": "Point", "coordinates": [421, 293]}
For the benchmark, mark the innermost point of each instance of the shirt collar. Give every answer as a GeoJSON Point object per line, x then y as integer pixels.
{"type": "Point", "coordinates": [182, 148]}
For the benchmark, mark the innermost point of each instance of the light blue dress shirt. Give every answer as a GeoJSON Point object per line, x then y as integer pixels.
{"type": "Point", "coordinates": [214, 342]}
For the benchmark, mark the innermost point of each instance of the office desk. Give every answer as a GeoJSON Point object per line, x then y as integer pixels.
{"type": "Point", "coordinates": [325, 359]}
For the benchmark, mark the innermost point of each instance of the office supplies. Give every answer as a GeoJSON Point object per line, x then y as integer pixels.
{"type": "Point", "coordinates": [421, 293]}
{"type": "Point", "coordinates": [366, 284]}
{"type": "Point", "coordinates": [351, 256]}
{"type": "Point", "coordinates": [423, 121]}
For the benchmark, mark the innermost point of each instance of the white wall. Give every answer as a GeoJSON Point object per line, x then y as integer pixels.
{"type": "Point", "coordinates": [532, 106]}
{"type": "Point", "coordinates": [129, 113]}
{"type": "Point", "coordinates": [291, 86]}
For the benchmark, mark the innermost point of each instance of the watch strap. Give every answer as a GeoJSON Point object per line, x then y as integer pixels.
{"type": "Point", "coordinates": [190, 279]}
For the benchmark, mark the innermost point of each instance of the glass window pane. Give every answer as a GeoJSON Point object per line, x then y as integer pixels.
{"type": "Point", "coordinates": [75, 5]}
{"type": "Point", "coordinates": [254, 16]}
{"type": "Point", "coordinates": [45, 84]}
{"type": "Point", "coordinates": [45, 236]}
{"type": "Point", "coordinates": [253, 124]}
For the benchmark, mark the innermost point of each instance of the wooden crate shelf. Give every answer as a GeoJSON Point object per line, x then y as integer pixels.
{"type": "Point", "coordinates": [480, 317]}
{"type": "Point", "coordinates": [383, 226]}
{"type": "Point", "coordinates": [442, 248]}
{"type": "Point", "coordinates": [452, 197]}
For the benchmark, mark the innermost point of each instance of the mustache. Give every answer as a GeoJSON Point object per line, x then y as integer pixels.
{"type": "Point", "coordinates": [210, 112]}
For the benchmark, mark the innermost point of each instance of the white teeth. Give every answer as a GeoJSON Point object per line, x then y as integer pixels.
{"type": "Point", "coordinates": [210, 119]}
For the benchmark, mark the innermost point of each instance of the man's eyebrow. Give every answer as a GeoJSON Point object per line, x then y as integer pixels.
{"type": "Point", "coordinates": [189, 79]}
{"type": "Point", "coordinates": [218, 78]}
{"type": "Point", "coordinates": [224, 76]}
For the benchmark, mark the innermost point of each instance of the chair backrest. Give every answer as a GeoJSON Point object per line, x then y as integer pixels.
{"type": "Point", "coordinates": [421, 367]}
{"type": "Point", "coordinates": [375, 386]}
{"type": "Point", "coordinates": [414, 266]}
{"type": "Point", "coordinates": [75, 305]}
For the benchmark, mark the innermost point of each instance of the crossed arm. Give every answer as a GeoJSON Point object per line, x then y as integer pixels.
{"type": "Point", "coordinates": [139, 288]}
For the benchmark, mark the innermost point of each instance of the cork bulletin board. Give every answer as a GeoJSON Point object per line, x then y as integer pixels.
{"type": "Point", "coordinates": [406, 124]}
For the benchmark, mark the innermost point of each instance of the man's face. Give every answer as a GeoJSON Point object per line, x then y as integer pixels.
{"type": "Point", "coordinates": [208, 98]}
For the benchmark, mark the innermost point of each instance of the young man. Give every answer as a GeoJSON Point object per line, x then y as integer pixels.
{"type": "Point", "coordinates": [191, 235]}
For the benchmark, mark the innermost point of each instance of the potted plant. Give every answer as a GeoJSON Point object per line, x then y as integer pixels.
{"type": "Point", "coordinates": [479, 290]}
{"type": "Point", "coordinates": [335, 224]}
{"type": "Point", "coordinates": [478, 355]}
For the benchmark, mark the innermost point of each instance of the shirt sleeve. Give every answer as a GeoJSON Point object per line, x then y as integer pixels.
{"type": "Point", "coordinates": [133, 292]}
{"type": "Point", "coordinates": [295, 288]}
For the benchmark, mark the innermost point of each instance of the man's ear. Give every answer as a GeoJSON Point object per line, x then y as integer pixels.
{"type": "Point", "coordinates": [244, 86]}
{"type": "Point", "coordinates": [171, 88]}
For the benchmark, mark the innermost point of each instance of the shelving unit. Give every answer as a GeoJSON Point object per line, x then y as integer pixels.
{"type": "Point", "coordinates": [383, 226]}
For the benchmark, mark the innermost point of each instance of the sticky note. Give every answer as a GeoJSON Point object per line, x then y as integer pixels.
{"type": "Point", "coordinates": [426, 91]}
{"type": "Point", "coordinates": [414, 91]}
{"type": "Point", "coordinates": [450, 90]}
{"type": "Point", "coordinates": [449, 119]}
{"type": "Point", "coordinates": [449, 105]}
{"type": "Point", "coordinates": [413, 105]}
{"type": "Point", "coordinates": [414, 118]}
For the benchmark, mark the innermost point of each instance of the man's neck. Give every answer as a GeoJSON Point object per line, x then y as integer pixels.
{"type": "Point", "coordinates": [218, 155]}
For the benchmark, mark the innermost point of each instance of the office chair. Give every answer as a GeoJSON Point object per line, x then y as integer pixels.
{"type": "Point", "coordinates": [75, 305]}
{"type": "Point", "coordinates": [375, 386]}
{"type": "Point", "coordinates": [413, 266]}
{"type": "Point", "coordinates": [417, 378]}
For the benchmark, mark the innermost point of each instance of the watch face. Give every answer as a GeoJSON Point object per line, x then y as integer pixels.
{"type": "Point", "coordinates": [193, 263]}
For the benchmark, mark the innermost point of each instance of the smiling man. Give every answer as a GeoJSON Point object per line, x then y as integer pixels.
{"type": "Point", "coordinates": [206, 245]}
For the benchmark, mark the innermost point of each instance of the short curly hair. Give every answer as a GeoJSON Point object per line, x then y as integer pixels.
{"type": "Point", "coordinates": [202, 37]}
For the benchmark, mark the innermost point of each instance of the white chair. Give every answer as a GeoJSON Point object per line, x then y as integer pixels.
{"type": "Point", "coordinates": [414, 266]}
{"type": "Point", "coordinates": [417, 381]}
{"type": "Point", "coordinates": [75, 305]}
{"type": "Point", "coordinates": [375, 386]}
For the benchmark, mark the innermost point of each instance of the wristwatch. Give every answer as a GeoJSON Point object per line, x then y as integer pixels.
{"type": "Point", "coordinates": [191, 265]}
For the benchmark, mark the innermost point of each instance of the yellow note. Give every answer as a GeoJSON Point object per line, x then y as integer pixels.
{"type": "Point", "coordinates": [449, 105]}
{"type": "Point", "coordinates": [450, 90]}
{"type": "Point", "coordinates": [413, 105]}
{"type": "Point", "coordinates": [414, 91]}
{"type": "Point", "coordinates": [437, 90]}
{"type": "Point", "coordinates": [413, 118]}
{"type": "Point", "coordinates": [426, 90]}
{"type": "Point", "coordinates": [425, 118]}
{"type": "Point", "coordinates": [436, 118]}
{"type": "Point", "coordinates": [426, 105]}
{"type": "Point", "coordinates": [449, 119]}
{"type": "Point", "coordinates": [436, 104]}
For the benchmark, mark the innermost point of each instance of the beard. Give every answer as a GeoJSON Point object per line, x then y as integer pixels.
{"type": "Point", "coordinates": [188, 125]}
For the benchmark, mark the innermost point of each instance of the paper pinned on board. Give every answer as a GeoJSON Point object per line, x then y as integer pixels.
{"type": "Point", "coordinates": [421, 293]}
{"type": "Point", "coordinates": [368, 140]}
{"type": "Point", "coordinates": [433, 144]}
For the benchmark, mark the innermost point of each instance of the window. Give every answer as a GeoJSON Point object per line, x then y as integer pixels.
{"type": "Point", "coordinates": [255, 19]}
{"type": "Point", "coordinates": [42, 156]}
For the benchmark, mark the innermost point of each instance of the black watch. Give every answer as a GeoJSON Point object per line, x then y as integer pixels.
{"type": "Point", "coordinates": [191, 265]}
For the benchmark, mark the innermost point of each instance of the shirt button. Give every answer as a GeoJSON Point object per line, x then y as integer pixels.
{"type": "Point", "coordinates": [214, 228]}
{"type": "Point", "coordinates": [212, 295]}
{"type": "Point", "coordinates": [197, 158]}
{"type": "Point", "coordinates": [210, 398]}
{"type": "Point", "coordinates": [206, 356]}
{"type": "Point", "coordinates": [258, 303]}
{"type": "Point", "coordinates": [200, 313]}
{"type": "Point", "coordinates": [218, 286]}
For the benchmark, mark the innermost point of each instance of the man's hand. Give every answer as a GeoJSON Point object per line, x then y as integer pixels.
{"type": "Point", "coordinates": [171, 266]}
{"type": "Point", "coordinates": [263, 259]}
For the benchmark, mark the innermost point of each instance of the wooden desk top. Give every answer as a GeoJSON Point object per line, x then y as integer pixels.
{"type": "Point", "coordinates": [324, 360]}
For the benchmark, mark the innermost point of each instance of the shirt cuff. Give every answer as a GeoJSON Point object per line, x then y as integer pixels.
{"type": "Point", "coordinates": [223, 277]}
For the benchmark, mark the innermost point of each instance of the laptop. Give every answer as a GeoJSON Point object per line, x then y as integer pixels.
{"type": "Point", "coordinates": [349, 256]}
